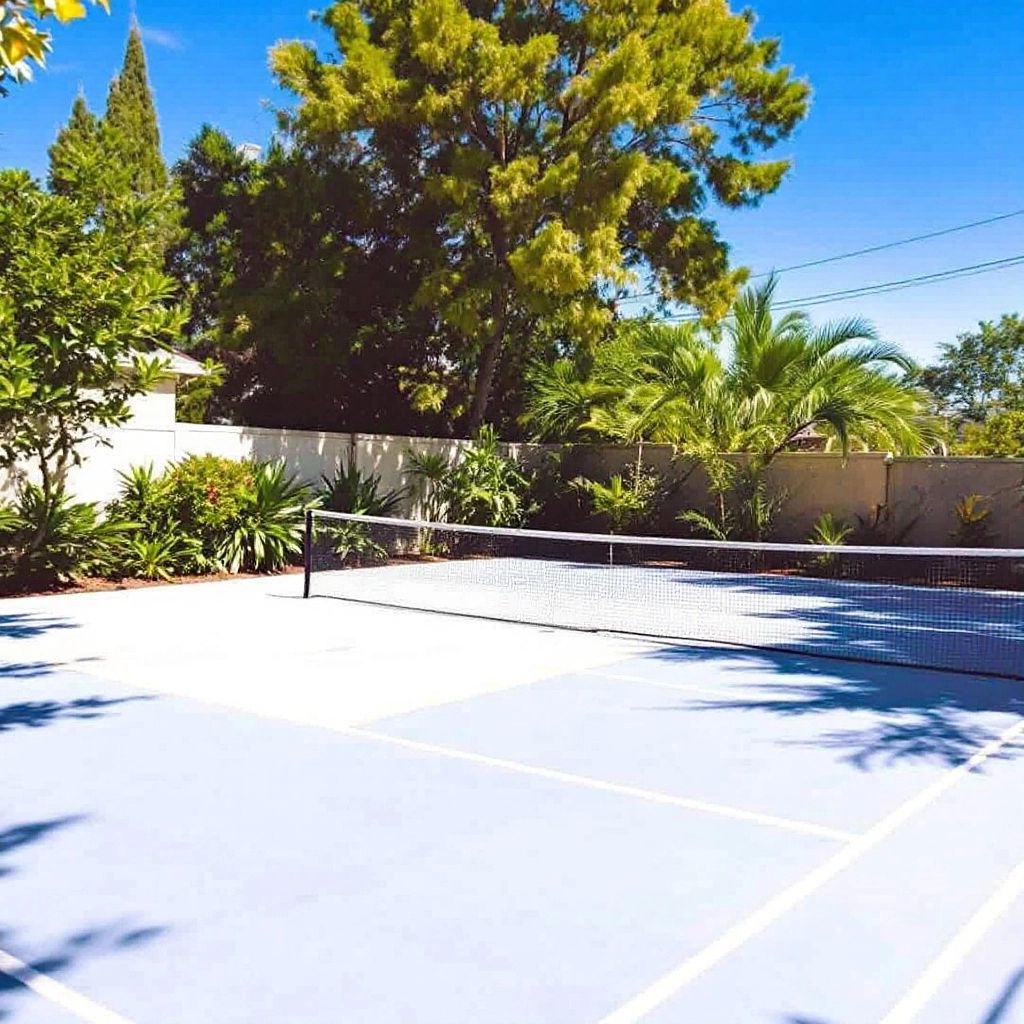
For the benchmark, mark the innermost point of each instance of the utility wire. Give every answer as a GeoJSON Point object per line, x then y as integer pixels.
{"type": "Point", "coordinates": [891, 245]}
{"type": "Point", "coordinates": [861, 252]}
{"type": "Point", "coordinates": [884, 287]}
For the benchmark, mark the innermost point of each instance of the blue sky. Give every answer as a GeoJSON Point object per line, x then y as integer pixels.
{"type": "Point", "coordinates": [915, 127]}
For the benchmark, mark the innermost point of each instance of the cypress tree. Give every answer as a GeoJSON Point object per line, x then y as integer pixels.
{"type": "Point", "coordinates": [130, 126]}
{"type": "Point", "coordinates": [80, 135]}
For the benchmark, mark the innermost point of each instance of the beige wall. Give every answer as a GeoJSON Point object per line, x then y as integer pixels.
{"type": "Point", "coordinates": [926, 491]}
{"type": "Point", "coordinates": [920, 493]}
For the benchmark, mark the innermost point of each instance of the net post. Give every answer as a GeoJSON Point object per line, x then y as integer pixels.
{"type": "Point", "coordinates": [307, 553]}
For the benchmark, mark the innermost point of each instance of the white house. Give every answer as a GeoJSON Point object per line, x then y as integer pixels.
{"type": "Point", "coordinates": [156, 408]}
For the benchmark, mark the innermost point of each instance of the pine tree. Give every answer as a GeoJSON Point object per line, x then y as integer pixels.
{"type": "Point", "coordinates": [80, 135]}
{"type": "Point", "coordinates": [130, 126]}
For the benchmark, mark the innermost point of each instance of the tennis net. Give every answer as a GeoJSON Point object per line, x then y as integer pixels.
{"type": "Point", "coordinates": [943, 608]}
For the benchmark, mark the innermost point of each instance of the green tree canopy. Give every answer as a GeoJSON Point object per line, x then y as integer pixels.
{"type": "Point", "coordinates": [303, 280]}
{"type": "Point", "coordinates": [130, 125]}
{"type": "Point", "coordinates": [668, 383]}
{"type": "Point", "coordinates": [84, 314]}
{"type": "Point", "coordinates": [982, 372]}
{"type": "Point", "coordinates": [23, 38]}
{"type": "Point", "coordinates": [1002, 434]}
{"type": "Point", "coordinates": [572, 148]}
{"type": "Point", "coordinates": [79, 137]}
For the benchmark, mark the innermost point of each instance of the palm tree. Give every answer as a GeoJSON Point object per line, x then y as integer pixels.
{"type": "Point", "coordinates": [659, 382]}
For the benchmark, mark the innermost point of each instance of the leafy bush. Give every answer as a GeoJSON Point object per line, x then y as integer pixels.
{"type": "Point", "coordinates": [57, 539]}
{"type": "Point", "coordinates": [268, 529]}
{"type": "Point", "coordinates": [430, 471]}
{"type": "Point", "coordinates": [207, 514]}
{"type": "Point", "coordinates": [482, 488]}
{"type": "Point", "coordinates": [746, 508]}
{"type": "Point", "coordinates": [829, 531]}
{"type": "Point", "coordinates": [627, 503]}
{"type": "Point", "coordinates": [207, 496]}
{"type": "Point", "coordinates": [10, 523]}
{"type": "Point", "coordinates": [972, 522]}
{"type": "Point", "coordinates": [351, 490]}
{"type": "Point", "coordinates": [486, 488]}
{"type": "Point", "coordinates": [160, 557]}
{"type": "Point", "coordinates": [1002, 434]}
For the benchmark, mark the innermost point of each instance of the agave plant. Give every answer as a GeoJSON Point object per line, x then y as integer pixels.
{"type": "Point", "coordinates": [60, 539]}
{"type": "Point", "coordinates": [10, 521]}
{"type": "Point", "coordinates": [352, 490]}
{"type": "Point", "coordinates": [828, 531]}
{"type": "Point", "coordinates": [268, 533]}
{"type": "Point", "coordinates": [160, 558]}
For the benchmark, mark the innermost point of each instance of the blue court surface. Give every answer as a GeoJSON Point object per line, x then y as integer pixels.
{"type": "Point", "coordinates": [224, 805]}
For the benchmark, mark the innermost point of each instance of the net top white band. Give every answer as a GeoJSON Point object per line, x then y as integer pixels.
{"type": "Point", "coordinates": [674, 542]}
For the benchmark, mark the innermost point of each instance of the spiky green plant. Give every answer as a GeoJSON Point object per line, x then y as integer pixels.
{"type": "Point", "coordinates": [59, 539]}
{"type": "Point", "coordinates": [352, 490]}
{"type": "Point", "coordinates": [268, 531]}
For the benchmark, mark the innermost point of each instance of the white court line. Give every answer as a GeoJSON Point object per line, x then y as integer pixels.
{"type": "Point", "coordinates": [943, 966]}
{"type": "Point", "coordinates": [54, 992]}
{"type": "Point", "coordinates": [650, 795]}
{"type": "Point", "coordinates": [671, 983]}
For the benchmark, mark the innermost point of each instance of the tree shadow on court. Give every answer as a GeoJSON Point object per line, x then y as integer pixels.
{"type": "Point", "coordinates": [1006, 1000]}
{"type": "Point", "coordinates": [938, 625]}
{"type": "Point", "coordinates": [24, 625]}
{"type": "Point", "coordinates": [896, 713]}
{"type": "Point", "coordinates": [57, 957]}
{"type": "Point", "coordinates": [35, 714]}
{"type": "Point", "coordinates": [17, 836]}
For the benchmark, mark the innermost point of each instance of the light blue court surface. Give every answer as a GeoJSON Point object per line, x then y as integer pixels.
{"type": "Point", "coordinates": [223, 805]}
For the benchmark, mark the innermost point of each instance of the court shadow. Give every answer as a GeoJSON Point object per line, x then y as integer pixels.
{"type": "Point", "coordinates": [35, 714]}
{"type": "Point", "coordinates": [61, 956]}
{"type": "Point", "coordinates": [1006, 1000]}
{"type": "Point", "coordinates": [57, 957]}
{"type": "Point", "coordinates": [17, 836]}
{"type": "Point", "coordinates": [23, 625]}
{"type": "Point", "coordinates": [942, 626]}
{"type": "Point", "coordinates": [912, 714]}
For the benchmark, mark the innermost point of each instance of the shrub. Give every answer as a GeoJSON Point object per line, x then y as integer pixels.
{"type": "Point", "coordinates": [482, 488]}
{"type": "Point", "coordinates": [486, 488]}
{"type": "Point", "coordinates": [972, 522]}
{"type": "Point", "coordinates": [351, 490]}
{"type": "Point", "coordinates": [160, 557]}
{"type": "Point", "coordinates": [430, 471]}
{"type": "Point", "coordinates": [267, 530]}
{"type": "Point", "coordinates": [628, 502]}
{"type": "Point", "coordinates": [746, 507]}
{"type": "Point", "coordinates": [1002, 434]}
{"type": "Point", "coordinates": [56, 540]}
{"type": "Point", "coordinates": [829, 531]}
{"type": "Point", "coordinates": [207, 496]}
{"type": "Point", "coordinates": [207, 514]}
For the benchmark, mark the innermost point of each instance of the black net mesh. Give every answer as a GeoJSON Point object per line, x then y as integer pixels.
{"type": "Point", "coordinates": [934, 608]}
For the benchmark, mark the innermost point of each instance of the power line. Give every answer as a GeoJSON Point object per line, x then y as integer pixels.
{"type": "Point", "coordinates": [884, 287]}
{"type": "Point", "coordinates": [892, 245]}
{"type": "Point", "coordinates": [861, 252]}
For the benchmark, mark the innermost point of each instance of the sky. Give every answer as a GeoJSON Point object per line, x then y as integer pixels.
{"type": "Point", "coordinates": [914, 127]}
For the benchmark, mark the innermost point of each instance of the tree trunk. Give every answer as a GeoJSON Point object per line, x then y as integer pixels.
{"type": "Point", "coordinates": [488, 363]}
